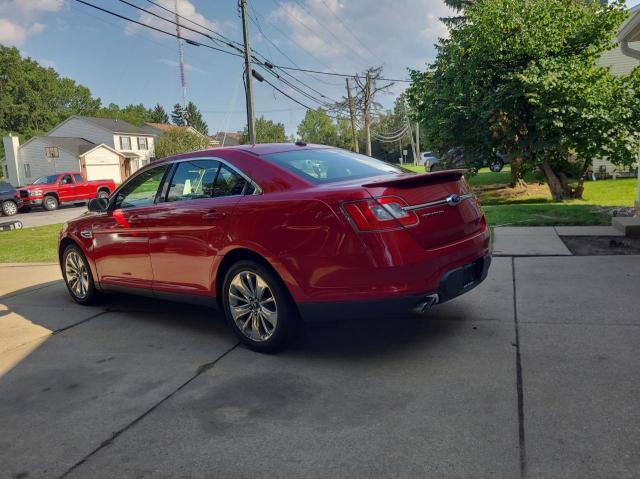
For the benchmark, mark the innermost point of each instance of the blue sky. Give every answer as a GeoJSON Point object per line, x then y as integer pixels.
{"type": "Point", "coordinates": [125, 64]}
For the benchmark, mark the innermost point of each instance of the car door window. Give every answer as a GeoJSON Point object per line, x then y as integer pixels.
{"type": "Point", "coordinates": [229, 183]}
{"type": "Point", "coordinates": [141, 190]}
{"type": "Point", "coordinates": [193, 180]}
{"type": "Point", "coordinates": [66, 180]}
{"type": "Point", "coordinates": [78, 178]}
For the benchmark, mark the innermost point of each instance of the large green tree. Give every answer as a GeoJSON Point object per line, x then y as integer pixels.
{"type": "Point", "coordinates": [318, 127]}
{"type": "Point", "coordinates": [178, 140]}
{"type": "Point", "coordinates": [134, 114]}
{"type": "Point", "coordinates": [195, 119]}
{"type": "Point", "coordinates": [521, 77]}
{"type": "Point", "coordinates": [266, 132]}
{"type": "Point", "coordinates": [34, 99]}
{"type": "Point", "coordinates": [158, 114]}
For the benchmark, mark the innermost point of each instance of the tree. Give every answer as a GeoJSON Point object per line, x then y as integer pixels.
{"type": "Point", "coordinates": [521, 78]}
{"type": "Point", "coordinates": [177, 115]}
{"type": "Point", "coordinates": [178, 140]}
{"type": "Point", "coordinates": [158, 115]}
{"type": "Point", "coordinates": [318, 127]}
{"type": "Point", "coordinates": [266, 132]}
{"type": "Point", "coordinates": [194, 117]}
{"type": "Point", "coordinates": [34, 99]}
{"type": "Point", "coordinates": [134, 114]}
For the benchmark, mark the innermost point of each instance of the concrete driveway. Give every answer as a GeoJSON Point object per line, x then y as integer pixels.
{"type": "Point", "coordinates": [533, 374]}
{"type": "Point", "coordinates": [41, 217]}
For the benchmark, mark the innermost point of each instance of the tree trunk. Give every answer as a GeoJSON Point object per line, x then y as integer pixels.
{"type": "Point", "coordinates": [516, 177]}
{"type": "Point", "coordinates": [557, 183]}
{"type": "Point", "coordinates": [577, 193]}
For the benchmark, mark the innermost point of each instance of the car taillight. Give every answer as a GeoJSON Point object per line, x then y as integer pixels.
{"type": "Point", "coordinates": [379, 214]}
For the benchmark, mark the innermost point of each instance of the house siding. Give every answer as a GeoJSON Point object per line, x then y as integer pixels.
{"type": "Point", "coordinates": [33, 154]}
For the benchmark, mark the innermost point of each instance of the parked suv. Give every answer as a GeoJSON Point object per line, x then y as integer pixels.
{"type": "Point", "coordinates": [9, 199]}
{"type": "Point", "coordinates": [70, 187]}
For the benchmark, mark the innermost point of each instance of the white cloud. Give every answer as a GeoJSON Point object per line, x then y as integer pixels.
{"type": "Point", "coordinates": [352, 36]}
{"type": "Point", "coordinates": [174, 64]}
{"type": "Point", "coordinates": [186, 9]}
{"type": "Point", "coordinates": [18, 21]}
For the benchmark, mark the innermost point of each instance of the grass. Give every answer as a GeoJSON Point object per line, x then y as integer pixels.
{"type": "Point", "coordinates": [533, 205]}
{"type": "Point", "coordinates": [30, 245]}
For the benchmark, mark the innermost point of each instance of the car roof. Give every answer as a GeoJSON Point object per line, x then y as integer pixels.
{"type": "Point", "coordinates": [257, 150]}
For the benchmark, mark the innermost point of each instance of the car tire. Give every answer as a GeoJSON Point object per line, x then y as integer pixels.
{"type": "Point", "coordinates": [50, 203]}
{"type": "Point", "coordinates": [496, 166]}
{"type": "Point", "coordinates": [77, 276]}
{"type": "Point", "coordinates": [102, 194]}
{"type": "Point", "coordinates": [271, 318]}
{"type": "Point", "coordinates": [9, 208]}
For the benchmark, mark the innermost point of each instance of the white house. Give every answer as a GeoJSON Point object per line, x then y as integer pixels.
{"type": "Point", "coordinates": [101, 148]}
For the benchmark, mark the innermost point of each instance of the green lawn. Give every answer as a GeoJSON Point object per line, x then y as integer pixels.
{"type": "Point", "coordinates": [30, 245]}
{"type": "Point", "coordinates": [533, 206]}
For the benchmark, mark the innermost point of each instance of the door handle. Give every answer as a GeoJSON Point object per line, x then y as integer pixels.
{"type": "Point", "coordinates": [134, 219]}
{"type": "Point", "coordinates": [214, 215]}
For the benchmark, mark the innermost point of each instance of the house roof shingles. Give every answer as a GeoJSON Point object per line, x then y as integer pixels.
{"type": "Point", "coordinates": [116, 126]}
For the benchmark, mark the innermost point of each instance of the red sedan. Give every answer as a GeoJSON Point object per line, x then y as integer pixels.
{"type": "Point", "coordinates": [272, 234]}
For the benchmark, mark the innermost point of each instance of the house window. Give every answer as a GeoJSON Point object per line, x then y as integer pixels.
{"type": "Point", "coordinates": [142, 144]}
{"type": "Point", "coordinates": [51, 152]}
{"type": "Point", "coordinates": [27, 170]}
{"type": "Point", "coordinates": [6, 171]}
{"type": "Point", "coordinates": [125, 142]}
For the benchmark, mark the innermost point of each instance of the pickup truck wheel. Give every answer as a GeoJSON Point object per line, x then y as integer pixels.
{"type": "Point", "coordinates": [50, 203]}
{"type": "Point", "coordinates": [9, 208]}
{"type": "Point", "coordinates": [103, 194]}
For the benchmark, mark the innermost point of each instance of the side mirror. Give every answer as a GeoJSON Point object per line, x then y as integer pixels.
{"type": "Point", "coordinates": [98, 205]}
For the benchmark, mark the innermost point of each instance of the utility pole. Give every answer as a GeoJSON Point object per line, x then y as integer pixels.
{"type": "Point", "coordinates": [413, 143]}
{"type": "Point", "coordinates": [417, 159]}
{"type": "Point", "coordinates": [248, 76]}
{"type": "Point", "coordinates": [183, 81]}
{"type": "Point", "coordinates": [352, 113]}
{"type": "Point", "coordinates": [367, 122]}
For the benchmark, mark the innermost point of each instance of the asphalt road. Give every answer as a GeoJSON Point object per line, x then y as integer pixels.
{"type": "Point", "coordinates": [41, 217]}
{"type": "Point", "coordinates": [533, 374]}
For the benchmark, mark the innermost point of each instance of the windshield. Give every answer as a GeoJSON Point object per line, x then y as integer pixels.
{"type": "Point", "coordinates": [46, 180]}
{"type": "Point", "coordinates": [330, 165]}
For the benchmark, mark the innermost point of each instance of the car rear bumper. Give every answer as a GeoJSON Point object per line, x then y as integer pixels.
{"type": "Point", "coordinates": [454, 283]}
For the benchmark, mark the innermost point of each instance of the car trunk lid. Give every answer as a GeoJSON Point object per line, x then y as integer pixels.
{"type": "Point", "coordinates": [443, 201]}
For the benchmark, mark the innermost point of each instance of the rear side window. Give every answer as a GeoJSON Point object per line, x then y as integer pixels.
{"type": "Point", "coordinates": [229, 183]}
{"type": "Point", "coordinates": [5, 187]}
{"type": "Point", "coordinates": [330, 165]}
{"type": "Point", "coordinates": [193, 180]}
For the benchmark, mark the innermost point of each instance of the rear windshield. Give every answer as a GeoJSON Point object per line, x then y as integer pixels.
{"type": "Point", "coordinates": [5, 187]}
{"type": "Point", "coordinates": [329, 165]}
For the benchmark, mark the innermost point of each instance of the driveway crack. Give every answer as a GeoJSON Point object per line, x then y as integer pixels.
{"type": "Point", "coordinates": [201, 369]}
{"type": "Point", "coordinates": [519, 386]}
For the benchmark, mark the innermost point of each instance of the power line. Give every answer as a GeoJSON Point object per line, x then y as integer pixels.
{"type": "Point", "coordinates": [190, 42]}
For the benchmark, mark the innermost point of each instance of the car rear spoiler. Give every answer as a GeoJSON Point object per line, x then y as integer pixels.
{"type": "Point", "coordinates": [422, 178]}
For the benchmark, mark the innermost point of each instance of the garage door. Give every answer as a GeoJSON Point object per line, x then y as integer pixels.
{"type": "Point", "coordinates": [104, 172]}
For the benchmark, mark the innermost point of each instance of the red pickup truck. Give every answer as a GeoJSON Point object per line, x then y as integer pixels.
{"type": "Point", "coordinates": [69, 187]}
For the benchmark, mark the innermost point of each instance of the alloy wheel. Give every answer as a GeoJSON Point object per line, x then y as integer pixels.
{"type": "Point", "coordinates": [10, 208]}
{"type": "Point", "coordinates": [253, 306]}
{"type": "Point", "coordinates": [77, 274]}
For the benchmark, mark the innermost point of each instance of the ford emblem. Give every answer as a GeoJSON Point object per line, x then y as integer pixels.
{"type": "Point", "coordinates": [453, 200]}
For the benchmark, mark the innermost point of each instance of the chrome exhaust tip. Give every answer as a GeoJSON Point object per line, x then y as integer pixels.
{"type": "Point", "coordinates": [425, 303]}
